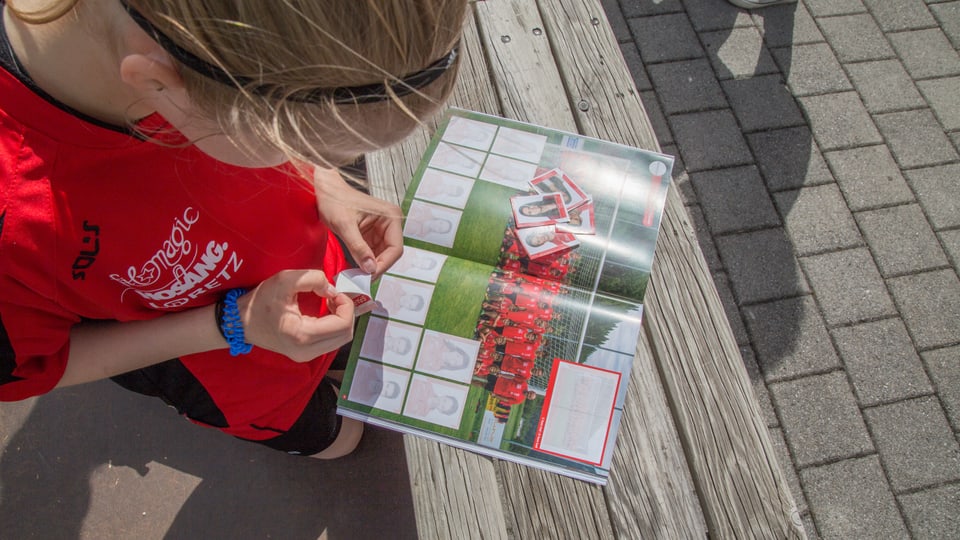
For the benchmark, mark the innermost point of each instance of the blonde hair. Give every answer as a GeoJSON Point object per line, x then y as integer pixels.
{"type": "Point", "coordinates": [50, 13]}
{"type": "Point", "coordinates": [288, 48]}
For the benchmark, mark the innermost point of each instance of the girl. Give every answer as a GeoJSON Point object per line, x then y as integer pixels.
{"type": "Point", "coordinates": [169, 196]}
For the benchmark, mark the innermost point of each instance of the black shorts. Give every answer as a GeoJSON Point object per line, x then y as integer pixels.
{"type": "Point", "coordinates": [317, 427]}
{"type": "Point", "coordinates": [314, 430]}
{"type": "Point", "coordinates": [319, 424]}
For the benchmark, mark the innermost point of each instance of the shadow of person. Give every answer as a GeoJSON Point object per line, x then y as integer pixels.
{"type": "Point", "coordinates": [748, 196]}
{"type": "Point", "coordinates": [96, 461]}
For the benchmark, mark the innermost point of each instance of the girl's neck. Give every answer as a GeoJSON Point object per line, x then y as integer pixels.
{"type": "Point", "coordinates": [75, 65]}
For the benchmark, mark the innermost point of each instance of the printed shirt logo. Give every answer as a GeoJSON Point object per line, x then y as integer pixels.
{"type": "Point", "coordinates": [182, 269]}
{"type": "Point", "coordinates": [88, 256]}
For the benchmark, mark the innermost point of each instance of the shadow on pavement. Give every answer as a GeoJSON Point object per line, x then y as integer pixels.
{"type": "Point", "coordinates": [751, 203]}
{"type": "Point", "coordinates": [96, 461]}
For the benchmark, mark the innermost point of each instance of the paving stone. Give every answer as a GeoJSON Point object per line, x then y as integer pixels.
{"type": "Point", "coordinates": [856, 38]}
{"type": "Point", "coordinates": [786, 465]}
{"type": "Point", "coordinates": [687, 86]}
{"type": "Point", "coordinates": [826, 8]}
{"type": "Point", "coordinates": [817, 219]}
{"type": "Point", "coordinates": [761, 266]}
{"type": "Point", "coordinates": [762, 103]}
{"type": "Point", "coordinates": [640, 8]}
{"type": "Point", "coordinates": [840, 121]}
{"type": "Point", "coordinates": [722, 283]}
{"type": "Point", "coordinates": [616, 19]}
{"type": "Point", "coordinates": [916, 139]}
{"type": "Point", "coordinates": [848, 286]}
{"type": "Point", "coordinates": [948, 15]}
{"type": "Point", "coordinates": [811, 69]}
{"type": "Point", "coordinates": [709, 15]}
{"type": "Point", "coordinates": [901, 240]}
{"type": "Point", "coordinates": [663, 38]}
{"type": "Point", "coordinates": [661, 128]}
{"type": "Point", "coordinates": [932, 513]}
{"type": "Point", "coordinates": [926, 53]}
{"type": "Point", "coordinates": [897, 16]}
{"type": "Point", "coordinates": [885, 86]}
{"type": "Point", "coordinates": [950, 240]}
{"type": "Point", "coordinates": [930, 305]}
{"type": "Point", "coordinates": [704, 238]}
{"type": "Point", "coordinates": [734, 200]}
{"type": "Point", "coordinates": [869, 177]}
{"type": "Point", "coordinates": [820, 419]}
{"type": "Point", "coordinates": [915, 443]}
{"type": "Point", "coordinates": [938, 189]}
{"type": "Point", "coordinates": [760, 390]}
{"type": "Point", "coordinates": [789, 159]}
{"type": "Point", "coordinates": [710, 140]}
{"type": "Point", "coordinates": [881, 362]}
{"type": "Point", "coordinates": [631, 56]}
{"type": "Point", "coordinates": [790, 338]}
{"type": "Point", "coordinates": [738, 53]}
{"type": "Point", "coordinates": [789, 24]}
{"type": "Point", "coordinates": [944, 368]}
{"type": "Point", "coordinates": [851, 499]}
{"type": "Point", "coordinates": [943, 95]}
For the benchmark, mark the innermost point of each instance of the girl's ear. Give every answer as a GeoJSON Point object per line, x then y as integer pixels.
{"type": "Point", "coordinates": [158, 87]}
{"type": "Point", "coordinates": [150, 73]}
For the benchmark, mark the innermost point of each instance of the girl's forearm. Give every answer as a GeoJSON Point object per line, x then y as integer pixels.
{"type": "Point", "coordinates": [99, 350]}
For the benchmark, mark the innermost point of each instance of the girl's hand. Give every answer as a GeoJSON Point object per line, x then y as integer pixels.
{"type": "Point", "coordinates": [369, 227]}
{"type": "Point", "coordinates": [272, 318]}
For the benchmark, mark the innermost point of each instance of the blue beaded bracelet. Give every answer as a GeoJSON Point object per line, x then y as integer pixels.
{"type": "Point", "coordinates": [230, 324]}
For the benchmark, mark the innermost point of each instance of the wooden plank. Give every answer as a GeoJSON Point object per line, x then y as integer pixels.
{"type": "Point", "coordinates": [455, 493]}
{"type": "Point", "coordinates": [528, 86]}
{"type": "Point", "coordinates": [537, 504]}
{"type": "Point", "coordinates": [651, 492]}
{"type": "Point", "coordinates": [743, 491]}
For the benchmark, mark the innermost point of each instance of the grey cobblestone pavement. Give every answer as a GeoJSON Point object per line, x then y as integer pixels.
{"type": "Point", "coordinates": [817, 154]}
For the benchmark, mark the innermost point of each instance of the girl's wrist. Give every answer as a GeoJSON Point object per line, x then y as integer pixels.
{"type": "Point", "coordinates": [230, 322]}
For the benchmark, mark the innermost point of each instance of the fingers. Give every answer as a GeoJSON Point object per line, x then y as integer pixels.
{"type": "Point", "coordinates": [314, 281]}
{"type": "Point", "coordinates": [275, 321]}
{"type": "Point", "coordinates": [339, 305]}
{"type": "Point", "coordinates": [391, 246]}
{"type": "Point", "coordinates": [314, 336]}
{"type": "Point", "coordinates": [359, 249]}
{"type": "Point", "coordinates": [369, 227]}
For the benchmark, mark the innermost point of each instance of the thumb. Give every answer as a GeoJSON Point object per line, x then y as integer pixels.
{"type": "Point", "coordinates": [314, 281]}
{"type": "Point", "coordinates": [359, 249]}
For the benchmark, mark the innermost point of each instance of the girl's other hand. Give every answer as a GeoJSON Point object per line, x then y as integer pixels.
{"type": "Point", "coordinates": [369, 227]}
{"type": "Point", "coordinates": [272, 318]}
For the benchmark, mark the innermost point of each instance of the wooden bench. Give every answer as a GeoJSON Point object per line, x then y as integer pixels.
{"type": "Point", "coordinates": [693, 456]}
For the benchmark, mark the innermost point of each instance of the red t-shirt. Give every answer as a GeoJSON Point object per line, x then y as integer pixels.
{"type": "Point", "coordinates": [98, 224]}
{"type": "Point", "coordinates": [523, 319]}
{"type": "Point", "coordinates": [519, 368]}
{"type": "Point", "coordinates": [510, 391]}
{"type": "Point", "coordinates": [520, 349]}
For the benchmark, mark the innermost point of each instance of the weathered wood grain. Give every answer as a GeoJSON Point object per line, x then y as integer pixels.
{"type": "Point", "coordinates": [455, 493]}
{"type": "Point", "coordinates": [650, 493]}
{"type": "Point", "coordinates": [743, 491]}
{"type": "Point", "coordinates": [556, 63]}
